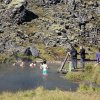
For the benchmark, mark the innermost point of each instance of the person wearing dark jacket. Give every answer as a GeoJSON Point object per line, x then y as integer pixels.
{"type": "Point", "coordinates": [28, 52]}
{"type": "Point", "coordinates": [82, 56]}
{"type": "Point", "coordinates": [73, 53]}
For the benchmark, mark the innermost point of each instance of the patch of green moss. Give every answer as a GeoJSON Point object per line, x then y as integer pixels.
{"type": "Point", "coordinates": [84, 88]}
{"type": "Point", "coordinates": [4, 58]}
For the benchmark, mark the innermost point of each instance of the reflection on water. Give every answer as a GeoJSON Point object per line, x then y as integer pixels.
{"type": "Point", "coordinates": [13, 78]}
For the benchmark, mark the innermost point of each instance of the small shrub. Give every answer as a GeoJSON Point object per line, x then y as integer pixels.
{"type": "Point", "coordinates": [88, 68]}
{"type": "Point", "coordinates": [75, 76]}
{"type": "Point", "coordinates": [91, 88]}
{"type": "Point", "coordinates": [96, 75]}
{"type": "Point", "coordinates": [83, 87]}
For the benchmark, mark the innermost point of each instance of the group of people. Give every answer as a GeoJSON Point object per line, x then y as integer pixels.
{"type": "Point", "coordinates": [72, 58]}
{"type": "Point", "coordinates": [43, 66]}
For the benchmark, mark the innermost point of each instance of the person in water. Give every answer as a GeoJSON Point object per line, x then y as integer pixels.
{"type": "Point", "coordinates": [22, 64]}
{"type": "Point", "coordinates": [44, 68]}
{"type": "Point", "coordinates": [98, 57]}
{"type": "Point", "coordinates": [19, 63]}
{"type": "Point", "coordinates": [32, 65]}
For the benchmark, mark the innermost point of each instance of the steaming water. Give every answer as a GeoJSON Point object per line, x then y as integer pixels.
{"type": "Point", "coordinates": [14, 78]}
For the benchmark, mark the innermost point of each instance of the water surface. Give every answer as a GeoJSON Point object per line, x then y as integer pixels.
{"type": "Point", "coordinates": [14, 78]}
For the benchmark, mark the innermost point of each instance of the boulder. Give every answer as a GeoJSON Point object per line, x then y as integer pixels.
{"type": "Point", "coordinates": [1, 31]}
{"type": "Point", "coordinates": [21, 35]}
{"type": "Point", "coordinates": [35, 52]}
{"type": "Point", "coordinates": [31, 51]}
{"type": "Point", "coordinates": [6, 1]}
{"type": "Point", "coordinates": [15, 12]}
{"type": "Point", "coordinates": [2, 47]}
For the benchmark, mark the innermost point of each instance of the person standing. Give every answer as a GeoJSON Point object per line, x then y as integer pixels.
{"type": "Point", "coordinates": [98, 57]}
{"type": "Point", "coordinates": [44, 68]}
{"type": "Point", "coordinates": [73, 53]}
{"type": "Point", "coordinates": [82, 56]}
{"type": "Point", "coordinates": [69, 62]}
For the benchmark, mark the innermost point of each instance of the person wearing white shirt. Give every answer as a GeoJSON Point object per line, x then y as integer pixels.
{"type": "Point", "coordinates": [44, 68]}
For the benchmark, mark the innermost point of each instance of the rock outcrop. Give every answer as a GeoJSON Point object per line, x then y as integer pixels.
{"type": "Point", "coordinates": [60, 23]}
{"type": "Point", "coordinates": [77, 23]}
{"type": "Point", "coordinates": [15, 12]}
{"type": "Point", "coordinates": [6, 1]}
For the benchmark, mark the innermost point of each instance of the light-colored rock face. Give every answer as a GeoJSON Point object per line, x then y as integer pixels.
{"type": "Point", "coordinates": [17, 3]}
{"type": "Point", "coordinates": [7, 1]}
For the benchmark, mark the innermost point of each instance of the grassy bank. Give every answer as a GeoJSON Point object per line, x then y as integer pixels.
{"type": "Point", "coordinates": [41, 94]}
{"type": "Point", "coordinates": [90, 74]}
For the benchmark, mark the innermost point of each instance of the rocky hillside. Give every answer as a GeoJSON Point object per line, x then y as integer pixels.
{"type": "Point", "coordinates": [48, 24]}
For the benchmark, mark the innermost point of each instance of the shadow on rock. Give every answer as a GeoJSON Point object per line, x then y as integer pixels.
{"type": "Point", "coordinates": [29, 16]}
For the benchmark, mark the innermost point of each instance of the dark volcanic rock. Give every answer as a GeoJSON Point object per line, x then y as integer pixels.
{"type": "Point", "coordinates": [31, 51]}
{"type": "Point", "coordinates": [16, 13]}
{"type": "Point", "coordinates": [2, 47]}
{"type": "Point", "coordinates": [1, 31]}
{"type": "Point", "coordinates": [60, 23]}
